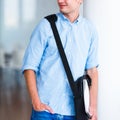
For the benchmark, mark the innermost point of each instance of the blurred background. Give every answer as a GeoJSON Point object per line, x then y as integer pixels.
{"type": "Point", "coordinates": [18, 18]}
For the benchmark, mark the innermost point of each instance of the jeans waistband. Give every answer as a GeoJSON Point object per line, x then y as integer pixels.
{"type": "Point", "coordinates": [55, 116]}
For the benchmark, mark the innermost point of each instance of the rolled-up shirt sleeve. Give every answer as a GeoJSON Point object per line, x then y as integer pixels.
{"type": "Point", "coordinates": [34, 50]}
{"type": "Point", "coordinates": [92, 59]}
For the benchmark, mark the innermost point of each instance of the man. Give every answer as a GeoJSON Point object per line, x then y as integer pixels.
{"type": "Point", "coordinates": [44, 73]}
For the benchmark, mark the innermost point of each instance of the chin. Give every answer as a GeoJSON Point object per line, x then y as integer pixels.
{"type": "Point", "coordinates": [63, 11]}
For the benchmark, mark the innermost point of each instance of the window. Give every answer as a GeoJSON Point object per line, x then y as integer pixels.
{"type": "Point", "coordinates": [11, 13]}
{"type": "Point", "coordinates": [28, 10]}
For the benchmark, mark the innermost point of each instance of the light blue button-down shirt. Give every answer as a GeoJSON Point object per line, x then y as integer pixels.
{"type": "Point", "coordinates": [80, 43]}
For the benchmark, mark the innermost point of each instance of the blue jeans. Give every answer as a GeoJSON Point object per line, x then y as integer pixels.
{"type": "Point", "coordinates": [43, 115]}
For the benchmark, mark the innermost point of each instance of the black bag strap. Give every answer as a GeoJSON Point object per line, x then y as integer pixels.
{"type": "Point", "coordinates": [52, 19]}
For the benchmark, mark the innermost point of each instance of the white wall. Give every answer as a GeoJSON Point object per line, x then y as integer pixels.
{"type": "Point", "coordinates": [105, 15]}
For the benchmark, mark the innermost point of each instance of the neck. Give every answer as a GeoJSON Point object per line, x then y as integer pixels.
{"type": "Point", "coordinates": [72, 16]}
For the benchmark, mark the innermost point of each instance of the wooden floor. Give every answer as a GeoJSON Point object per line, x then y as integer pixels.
{"type": "Point", "coordinates": [14, 100]}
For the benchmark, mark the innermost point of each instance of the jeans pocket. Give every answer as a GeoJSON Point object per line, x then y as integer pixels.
{"type": "Point", "coordinates": [40, 115]}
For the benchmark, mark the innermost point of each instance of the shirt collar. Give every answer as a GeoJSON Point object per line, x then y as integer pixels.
{"type": "Point", "coordinates": [66, 19]}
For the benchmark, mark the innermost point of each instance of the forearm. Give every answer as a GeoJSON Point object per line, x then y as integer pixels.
{"type": "Point", "coordinates": [93, 73]}
{"type": "Point", "coordinates": [30, 79]}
